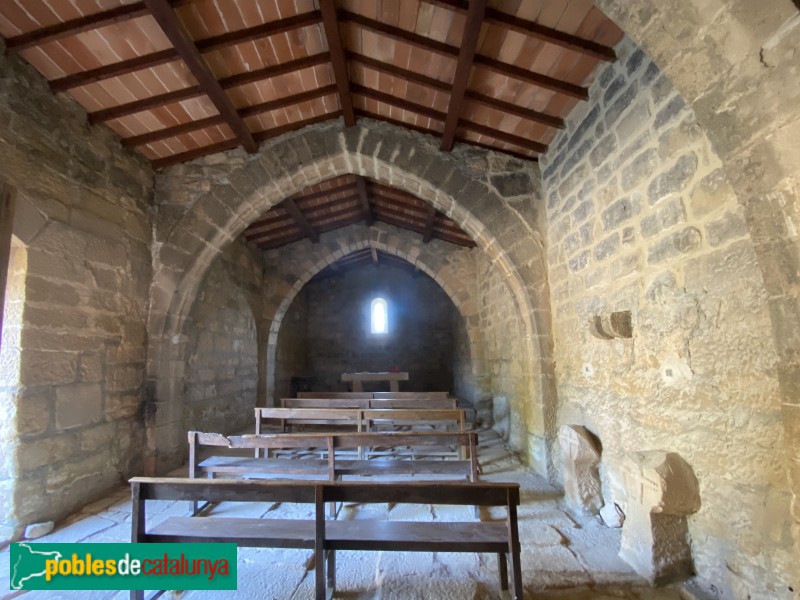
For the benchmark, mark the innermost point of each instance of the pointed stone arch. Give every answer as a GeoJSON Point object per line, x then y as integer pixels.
{"type": "Point", "coordinates": [297, 264]}
{"type": "Point", "coordinates": [455, 185]}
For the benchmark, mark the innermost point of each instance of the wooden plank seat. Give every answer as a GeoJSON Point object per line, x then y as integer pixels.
{"type": "Point", "coordinates": [339, 417]}
{"type": "Point", "coordinates": [326, 537]}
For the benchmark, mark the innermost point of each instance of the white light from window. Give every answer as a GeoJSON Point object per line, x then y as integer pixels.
{"type": "Point", "coordinates": [379, 316]}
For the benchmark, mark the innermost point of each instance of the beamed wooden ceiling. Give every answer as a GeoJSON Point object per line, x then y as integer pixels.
{"type": "Point", "coordinates": [180, 79]}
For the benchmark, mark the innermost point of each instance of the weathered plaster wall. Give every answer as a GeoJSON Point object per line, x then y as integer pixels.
{"type": "Point", "coordinates": [420, 337]}
{"type": "Point", "coordinates": [642, 217]}
{"type": "Point", "coordinates": [291, 356]}
{"type": "Point", "coordinates": [83, 212]}
{"type": "Point", "coordinates": [221, 372]}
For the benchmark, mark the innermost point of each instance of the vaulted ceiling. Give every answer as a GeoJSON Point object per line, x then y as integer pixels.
{"type": "Point", "coordinates": [179, 79]}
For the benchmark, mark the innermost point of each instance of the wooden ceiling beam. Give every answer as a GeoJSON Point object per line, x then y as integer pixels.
{"type": "Point", "coordinates": [374, 256]}
{"type": "Point", "coordinates": [75, 26]}
{"type": "Point", "coordinates": [131, 108]}
{"type": "Point", "coordinates": [318, 212]}
{"type": "Point", "coordinates": [402, 225]}
{"type": "Point", "coordinates": [371, 115]}
{"type": "Point", "coordinates": [170, 54]}
{"type": "Point", "coordinates": [356, 218]}
{"type": "Point", "coordinates": [425, 43]}
{"type": "Point", "coordinates": [261, 136]}
{"type": "Point", "coordinates": [469, 95]}
{"type": "Point", "coordinates": [535, 30]}
{"type": "Point", "coordinates": [425, 111]}
{"type": "Point", "coordinates": [300, 220]}
{"type": "Point", "coordinates": [303, 197]}
{"type": "Point", "coordinates": [467, 50]}
{"type": "Point", "coordinates": [173, 159]}
{"type": "Point", "coordinates": [429, 223]}
{"type": "Point", "coordinates": [513, 153]}
{"type": "Point", "coordinates": [168, 132]}
{"type": "Point", "coordinates": [292, 100]}
{"type": "Point", "coordinates": [330, 22]}
{"type": "Point", "coordinates": [177, 34]}
{"type": "Point", "coordinates": [502, 136]}
{"type": "Point", "coordinates": [365, 206]}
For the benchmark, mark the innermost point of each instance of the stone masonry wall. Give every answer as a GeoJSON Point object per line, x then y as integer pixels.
{"type": "Point", "coordinates": [420, 337]}
{"type": "Point", "coordinates": [222, 369]}
{"type": "Point", "coordinates": [641, 217]}
{"type": "Point", "coordinates": [84, 214]}
{"type": "Point", "coordinates": [291, 358]}
{"type": "Point", "coordinates": [505, 357]}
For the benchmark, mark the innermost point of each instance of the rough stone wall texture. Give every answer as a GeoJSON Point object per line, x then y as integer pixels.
{"type": "Point", "coordinates": [291, 356]}
{"type": "Point", "coordinates": [83, 212]}
{"type": "Point", "coordinates": [736, 64]}
{"type": "Point", "coordinates": [487, 194]}
{"type": "Point", "coordinates": [290, 268]}
{"type": "Point", "coordinates": [642, 217]}
{"type": "Point", "coordinates": [221, 372]}
{"type": "Point", "coordinates": [504, 350]}
{"type": "Point", "coordinates": [465, 384]}
{"type": "Point", "coordinates": [419, 340]}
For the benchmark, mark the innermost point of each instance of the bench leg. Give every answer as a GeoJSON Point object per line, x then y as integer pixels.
{"type": "Point", "coordinates": [331, 558]}
{"type": "Point", "coordinates": [502, 567]}
{"type": "Point", "coordinates": [516, 573]}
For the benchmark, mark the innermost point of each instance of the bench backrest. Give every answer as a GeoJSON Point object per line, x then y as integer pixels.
{"type": "Point", "coordinates": [412, 416]}
{"type": "Point", "coordinates": [376, 395]}
{"type": "Point", "coordinates": [254, 490]}
{"type": "Point", "coordinates": [466, 442]}
{"type": "Point", "coordinates": [349, 395]}
{"type": "Point", "coordinates": [368, 402]}
{"type": "Point", "coordinates": [410, 395]}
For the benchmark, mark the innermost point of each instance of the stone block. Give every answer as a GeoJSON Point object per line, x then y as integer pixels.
{"type": "Point", "coordinates": [678, 243]}
{"type": "Point", "coordinates": [580, 455]}
{"type": "Point", "coordinates": [663, 218]}
{"type": "Point", "coordinates": [579, 262]}
{"type": "Point", "coordinates": [621, 211]}
{"type": "Point", "coordinates": [729, 227]}
{"type": "Point", "coordinates": [37, 530]}
{"type": "Point", "coordinates": [78, 405]}
{"type": "Point", "coordinates": [607, 247]}
{"type": "Point", "coordinates": [673, 180]}
{"type": "Point", "coordinates": [661, 491]}
{"type": "Point", "coordinates": [640, 169]}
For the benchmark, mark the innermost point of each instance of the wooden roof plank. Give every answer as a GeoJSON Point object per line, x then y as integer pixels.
{"type": "Point", "coordinates": [429, 222]}
{"type": "Point", "coordinates": [469, 46]}
{"type": "Point", "coordinates": [185, 46]}
{"type": "Point", "coordinates": [330, 22]}
{"type": "Point", "coordinates": [503, 136]}
{"type": "Point", "coordinates": [75, 26]}
{"type": "Point", "coordinates": [173, 159]}
{"type": "Point", "coordinates": [535, 30]}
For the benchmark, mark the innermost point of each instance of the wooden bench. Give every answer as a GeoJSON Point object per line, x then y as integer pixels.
{"type": "Point", "coordinates": [376, 395]}
{"type": "Point", "coordinates": [326, 537]}
{"type": "Point", "coordinates": [340, 417]}
{"type": "Point", "coordinates": [439, 403]}
{"type": "Point", "coordinates": [404, 417]}
{"type": "Point", "coordinates": [327, 447]}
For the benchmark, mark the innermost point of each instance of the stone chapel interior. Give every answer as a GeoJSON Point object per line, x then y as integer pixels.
{"type": "Point", "coordinates": [579, 218]}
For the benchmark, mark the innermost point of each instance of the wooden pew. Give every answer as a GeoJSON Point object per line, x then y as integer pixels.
{"type": "Point", "coordinates": [330, 446]}
{"type": "Point", "coordinates": [376, 395]}
{"type": "Point", "coordinates": [441, 403]}
{"type": "Point", "coordinates": [341, 417]}
{"type": "Point", "coordinates": [345, 395]}
{"type": "Point", "coordinates": [410, 395]}
{"type": "Point", "coordinates": [400, 417]}
{"type": "Point", "coordinates": [326, 537]}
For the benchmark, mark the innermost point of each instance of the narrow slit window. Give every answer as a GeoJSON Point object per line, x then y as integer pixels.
{"type": "Point", "coordinates": [379, 316]}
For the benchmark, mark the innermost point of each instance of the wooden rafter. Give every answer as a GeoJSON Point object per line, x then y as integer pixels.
{"type": "Point", "coordinates": [168, 132]}
{"type": "Point", "coordinates": [425, 43]}
{"type": "Point", "coordinates": [364, 199]}
{"type": "Point", "coordinates": [431, 113]}
{"type": "Point", "coordinates": [76, 26]}
{"type": "Point", "coordinates": [184, 45]}
{"type": "Point", "coordinates": [171, 54]}
{"type": "Point", "coordinates": [330, 22]}
{"type": "Point", "coordinates": [469, 46]}
{"type": "Point", "coordinates": [535, 30]}
{"type": "Point", "coordinates": [300, 220]}
{"type": "Point", "coordinates": [469, 95]}
{"type": "Point", "coordinates": [429, 222]}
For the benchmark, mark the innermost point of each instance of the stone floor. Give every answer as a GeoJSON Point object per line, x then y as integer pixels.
{"type": "Point", "coordinates": [563, 556]}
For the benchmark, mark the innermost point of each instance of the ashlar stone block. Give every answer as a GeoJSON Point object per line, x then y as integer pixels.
{"type": "Point", "coordinates": [662, 490]}
{"type": "Point", "coordinates": [77, 405]}
{"type": "Point", "coordinates": [580, 453]}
